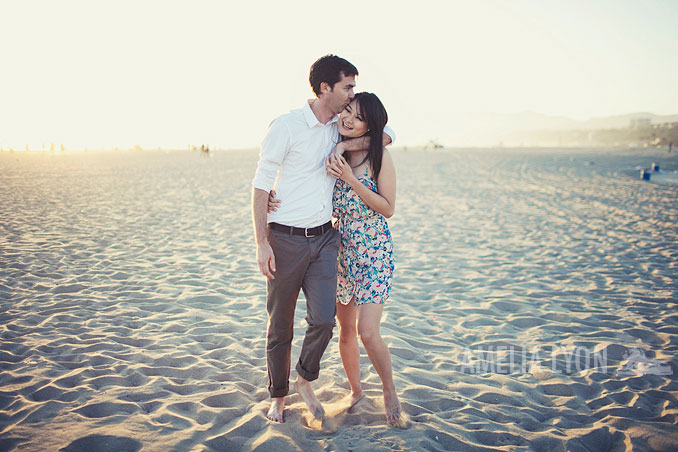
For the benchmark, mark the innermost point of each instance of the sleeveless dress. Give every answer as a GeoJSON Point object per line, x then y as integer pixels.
{"type": "Point", "coordinates": [365, 264]}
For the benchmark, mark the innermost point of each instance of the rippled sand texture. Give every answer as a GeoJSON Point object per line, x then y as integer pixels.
{"type": "Point", "coordinates": [133, 318]}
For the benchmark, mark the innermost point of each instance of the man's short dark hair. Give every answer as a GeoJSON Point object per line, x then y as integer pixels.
{"type": "Point", "coordinates": [329, 69]}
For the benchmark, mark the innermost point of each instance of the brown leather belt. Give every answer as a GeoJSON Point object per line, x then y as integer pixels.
{"type": "Point", "coordinates": [306, 232]}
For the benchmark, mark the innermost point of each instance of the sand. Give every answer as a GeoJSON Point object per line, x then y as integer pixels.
{"type": "Point", "coordinates": [533, 308]}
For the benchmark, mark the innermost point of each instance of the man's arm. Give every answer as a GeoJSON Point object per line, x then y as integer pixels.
{"type": "Point", "coordinates": [265, 257]}
{"type": "Point", "coordinates": [360, 143]}
{"type": "Point", "coordinates": [356, 144]}
{"type": "Point", "coordinates": [273, 150]}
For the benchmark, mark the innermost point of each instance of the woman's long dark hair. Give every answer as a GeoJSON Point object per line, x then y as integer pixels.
{"type": "Point", "coordinates": [374, 114]}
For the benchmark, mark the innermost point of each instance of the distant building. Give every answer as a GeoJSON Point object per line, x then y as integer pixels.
{"type": "Point", "coordinates": [640, 123]}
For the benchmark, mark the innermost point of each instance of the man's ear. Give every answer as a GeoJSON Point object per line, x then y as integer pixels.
{"type": "Point", "coordinates": [325, 87]}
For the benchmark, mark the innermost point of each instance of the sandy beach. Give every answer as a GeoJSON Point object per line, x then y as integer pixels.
{"type": "Point", "coordinates": [534, 306]}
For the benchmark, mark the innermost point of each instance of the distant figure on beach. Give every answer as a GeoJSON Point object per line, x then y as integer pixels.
{"type": "Point", "coordinates": [296, 245]}
{"type": "Point", "coordinates": [364, 196]}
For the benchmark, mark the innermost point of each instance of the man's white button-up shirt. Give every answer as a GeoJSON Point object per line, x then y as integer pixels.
{"type": "Point", "coordinates": [294, 150]}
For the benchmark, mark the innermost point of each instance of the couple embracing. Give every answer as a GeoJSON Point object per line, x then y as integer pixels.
{"type": "Point", "coordinates": [329, 161]}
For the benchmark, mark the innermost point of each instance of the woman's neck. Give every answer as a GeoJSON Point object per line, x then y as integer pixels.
{"type": "Point", "coordinates": [358, 161]}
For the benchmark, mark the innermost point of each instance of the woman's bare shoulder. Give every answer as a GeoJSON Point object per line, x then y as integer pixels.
{"type": "Point", "coordinates": [386, 156]}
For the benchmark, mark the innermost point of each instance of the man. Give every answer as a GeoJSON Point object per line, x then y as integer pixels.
{"type": "Point", "coordinates": [296, 245]}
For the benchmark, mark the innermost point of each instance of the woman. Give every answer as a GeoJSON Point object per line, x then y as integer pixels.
{"type": "Point", "coordinates": [364, 196]}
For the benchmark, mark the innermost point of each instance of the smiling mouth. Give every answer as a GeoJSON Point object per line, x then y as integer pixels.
{"type": "Point", "coordinates": [345, 126]}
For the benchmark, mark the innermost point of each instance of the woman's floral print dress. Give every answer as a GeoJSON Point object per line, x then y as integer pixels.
{"type": "Point", "coordinates": [365, 264]}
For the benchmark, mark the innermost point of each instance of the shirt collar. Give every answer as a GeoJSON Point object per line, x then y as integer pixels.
{"type": "Point", "coordinates": [311, 120]}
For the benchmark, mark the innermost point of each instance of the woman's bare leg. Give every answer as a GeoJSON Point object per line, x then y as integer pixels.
{"type": "Point", "coordinates": [349, 349]}
{"type": "Point", "coordinates": [369, 318]}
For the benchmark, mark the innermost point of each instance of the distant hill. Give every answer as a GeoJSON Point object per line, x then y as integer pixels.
{"type": "Point", "coordinates": [634, 130]}
{"type": "Point", "coordinates": [488, 129]}
{"type": "Point", "coordinates": [621, 121]}
{"type": "Point", "coordinates": [538, 121]}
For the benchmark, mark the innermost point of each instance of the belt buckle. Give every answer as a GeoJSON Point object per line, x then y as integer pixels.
{"type": "Point", "coordinates": [306, 233]}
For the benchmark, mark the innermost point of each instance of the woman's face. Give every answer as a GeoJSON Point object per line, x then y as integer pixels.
{"type": "Point", "coordinates": [351, 121]}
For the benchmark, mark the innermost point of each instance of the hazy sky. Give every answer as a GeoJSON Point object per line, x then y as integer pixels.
{"type": "Point", "coordinates": [168, 73]}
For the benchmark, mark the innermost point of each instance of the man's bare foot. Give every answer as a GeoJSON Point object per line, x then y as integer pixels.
{"type": "Point", "coordinates": [305, 390]}
{"type": "Point", "coordinates": [275, 413]}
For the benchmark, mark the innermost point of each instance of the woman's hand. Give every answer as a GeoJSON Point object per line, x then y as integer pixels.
{"type": "Point", "coordinates": [337, 151]}
{"type": "Point", "coordinates": [332, 167]}
{"type": "Point", "coordinates": [273, 203]}
{"type": "Point", "coordinates": [340, 169]}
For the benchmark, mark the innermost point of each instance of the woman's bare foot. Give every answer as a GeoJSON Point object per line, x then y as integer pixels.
{"type": "Point", "coordinates": [394, 413]}
{"type": "Point", "coordinates": [303, 387]}
{"type": "Point", "coordinates": [355, 398]}
{"type": "Point", "coordinates": [275, 413]}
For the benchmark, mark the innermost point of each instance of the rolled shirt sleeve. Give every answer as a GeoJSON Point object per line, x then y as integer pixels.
{"type": "Point", "coordinates": [271, 155]}
{"type": "Point", "coordinates": [388, 131]}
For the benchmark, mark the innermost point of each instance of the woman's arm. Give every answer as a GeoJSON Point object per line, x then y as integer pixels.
{"type": "Point", "coordinates": [382, 202]}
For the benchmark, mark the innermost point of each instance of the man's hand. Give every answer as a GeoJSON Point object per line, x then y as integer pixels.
{"type": "Point", "coordinates": [339, 149]}
{"type": "Point", "coordinates": [266, 260]}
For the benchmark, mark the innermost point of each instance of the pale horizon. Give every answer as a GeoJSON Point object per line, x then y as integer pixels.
{"type": "Point", "coordinates": [152, 74]}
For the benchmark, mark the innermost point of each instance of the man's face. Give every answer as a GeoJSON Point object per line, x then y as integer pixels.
{"type": "Point", "coordinates": [342, 93]}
